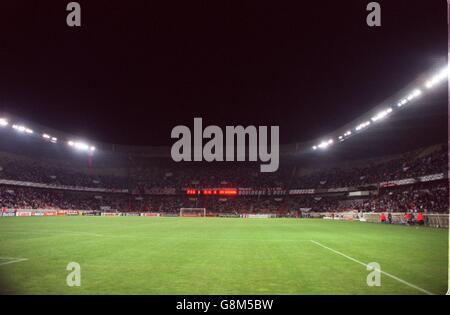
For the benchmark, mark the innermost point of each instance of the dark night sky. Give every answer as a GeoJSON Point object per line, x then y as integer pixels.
{"type": "Point", "coordinates": [134, 70]}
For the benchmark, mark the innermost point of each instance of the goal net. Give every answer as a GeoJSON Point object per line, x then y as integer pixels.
{"type": "Point", "coordinates": [192, 212]}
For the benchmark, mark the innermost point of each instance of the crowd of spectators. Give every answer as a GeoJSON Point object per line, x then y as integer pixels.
{"type": "Point", "coordinates": [415, 198]}
{"type": "Point", "coordinates": [406, 166]}
{"type": "Point", "coordinates": [140, 179]}
{"type": "Point", "coordinates": [422, 198]}
{"type": "Point", "coordinates": [13, 197]}
{"type": "Point", "coordinates": [40, 172]}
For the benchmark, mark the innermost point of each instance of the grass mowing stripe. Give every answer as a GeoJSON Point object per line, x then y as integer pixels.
{"type": "Point", "coordinates": [365, 265]}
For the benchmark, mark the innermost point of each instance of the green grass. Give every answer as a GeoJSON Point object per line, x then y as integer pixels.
{"type": "Point", "coordinates": [138, 255]}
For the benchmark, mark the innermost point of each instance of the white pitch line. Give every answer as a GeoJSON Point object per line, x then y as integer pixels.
{"type": "Point", "coordinates": [365, 265]}
{"type": "Point", "coordinates": [15, 260]}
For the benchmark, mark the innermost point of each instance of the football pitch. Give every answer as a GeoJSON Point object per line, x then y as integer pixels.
{"type": "Point", "coordinates": [141, 255]}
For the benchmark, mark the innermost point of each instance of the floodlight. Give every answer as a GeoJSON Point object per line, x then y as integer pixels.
{"type": "Point", "coordinates": [413, 94]}
{"type": "Point", "coordinates": [20, 128]}
{"type": "Point", "coordinates": [324, 144]}
{"type": "Point", "coordinates": [381, 114]}
{"type": "Point", "coordinates": [81, 146]}
{"type": "Point", "coordinates": [402, 102]}
{"type": "Point", "coordinates": [416, 92]}
{"type": "Point", "coordinates": [3, 122]}
{"type": "Point", "coordinates": [362, 126]}
{"type": "Point", "coordinates": [442, 75]}
{"type": "Point", "coordinates": [50, 138]}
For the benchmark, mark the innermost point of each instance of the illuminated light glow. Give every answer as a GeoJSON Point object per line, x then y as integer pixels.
{"type": "Point", "coordinates": [416, 92]}
{"type": "Point", "coordinates": [441, 76]}
{"type": "Point", "coordinates": [410, 97]}
{"type": "Point", "coordinates": [323, 144]}
{"type": "Point", "coordinates": [81, 146]}
{"type": "Point", "coordinates": [3, 122]}
{"type": "Point", "coordinates": [362, 126]}
{"type": "Point", "coordinates": [20, 128]}
{"type": "Point", "coordinates": [402, 102]}
{"type": "Point", "coordinates": [444, 72]}
{"type": "Point", "coordinates": [382, 114]}
{"type": "Point", "coordinates": [50, 138]}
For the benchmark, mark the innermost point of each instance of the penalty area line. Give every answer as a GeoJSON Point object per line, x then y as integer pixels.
{"type": "Point", "coordinates": [366, 265]}
{"type": "Point", "coordinates": [11, 260]}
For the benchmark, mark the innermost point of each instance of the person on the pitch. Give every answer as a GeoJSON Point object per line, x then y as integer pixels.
{"type": "Point", "coordinates": [408, 218]}
{"type": "Point", "coordinates": [382, 218]}
{"type": "Point", "coordinates": [419, 218]}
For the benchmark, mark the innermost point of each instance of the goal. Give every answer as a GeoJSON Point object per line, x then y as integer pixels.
{"type": "Point", "coordinates": [192, 212]}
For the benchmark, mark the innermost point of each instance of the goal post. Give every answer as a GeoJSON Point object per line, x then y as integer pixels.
{"type": "Point", "coordinates": [192, 212]}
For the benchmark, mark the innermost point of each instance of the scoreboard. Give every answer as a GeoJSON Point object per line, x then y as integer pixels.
{"type": "Point", "coordinates": [213, 191]}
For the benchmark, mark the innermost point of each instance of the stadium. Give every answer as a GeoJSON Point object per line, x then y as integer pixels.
{"type": "Point", "coordinates": [359, 209]}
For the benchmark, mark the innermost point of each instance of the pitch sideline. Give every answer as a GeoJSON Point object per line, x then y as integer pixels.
{"type": "Point", "coordinates": [365, 265]}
